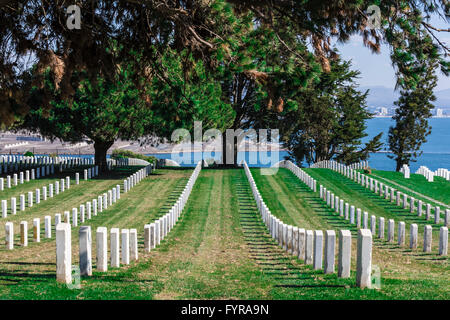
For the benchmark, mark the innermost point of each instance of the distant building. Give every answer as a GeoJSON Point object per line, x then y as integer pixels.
{"type": "Point", "coordinates": [381, 111]}
{"type": "Point", "coordinates": [439, 113]}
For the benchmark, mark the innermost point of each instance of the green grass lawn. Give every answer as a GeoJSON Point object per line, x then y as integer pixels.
{"type": "Point", "coordinates": [438, 190]}
{"type": "Point", "coordinates": [219, 249]}
{"type": "Point", "coordinates": [32, 185]}
{"type": "Point", "coordinates": [363, 198]}
{"type": "Point", "coordinates": [290, 200]}
{"type": "Point", "coordinates": [64, 201]}
{"type": "Point", "coordinates": [32, 269]}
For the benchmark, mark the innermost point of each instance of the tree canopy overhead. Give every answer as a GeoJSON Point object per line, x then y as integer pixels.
{"type": "Point", "coordinates": [261, 52]}
{"type": "Point", "coordinates": [37, 29]}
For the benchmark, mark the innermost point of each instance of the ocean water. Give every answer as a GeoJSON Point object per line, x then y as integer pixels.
{"type": "Point", "coordinates": [436, 151]}
{"type": "Point", "coordinates": [253, 158]}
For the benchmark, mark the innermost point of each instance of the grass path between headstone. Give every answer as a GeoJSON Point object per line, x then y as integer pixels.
{"type": "Point", "coordinates": [31, 270]}
{"type": "Point", "coordinates": [219, 249]}
{"type": "Point", "coordinates": [65, 201]}
{"type": "Point", "coordinates": [430, 192]}
{"type": "Point", "coordinates": [363, 198]}
{"type": "Point", "coordinates": [367, 200]}
{"type": "Point", "coordinates": [396, 263]}
{"type": "Point", "coordinates": [32, 185]}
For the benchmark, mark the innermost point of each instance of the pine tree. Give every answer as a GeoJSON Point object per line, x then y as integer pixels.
{"type": "Point", "coordinates": [328, 121]}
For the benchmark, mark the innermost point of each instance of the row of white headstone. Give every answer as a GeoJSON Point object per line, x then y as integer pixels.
{"type": "Point", "coordinates": [429, 175]}
{"type": "Point", "coordinates": [355, 166]}
{"type": "Point", "coordinates": [153, 235]}
{"type": "Point", "coordinates": [407, 172]}
{"type": "Point", "coordinates": [11, 163]}
{"type": "Point", "coordinates": [401, 199]}
{"type": "Point", "coordinates": [14, 145]}
{"type": "Point", "coordinates": [14, 163]}
{"type": "Point", "coordinates": [310, 245]}
{"type": "Point", "coordinates": [35, 197]}
{"type": "Point", "coordinates": [85, 212]}
{"type": "Point", "coordinates": [361, 219]}
{"type": "Point", "coordinates": [26, 176]}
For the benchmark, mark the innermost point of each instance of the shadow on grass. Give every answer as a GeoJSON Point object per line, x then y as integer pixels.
{"type": "Point", "coordinates": [266, 253]}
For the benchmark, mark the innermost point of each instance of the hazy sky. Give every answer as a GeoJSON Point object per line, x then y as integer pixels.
{"type": "Point", "coordinates": [376, 69]}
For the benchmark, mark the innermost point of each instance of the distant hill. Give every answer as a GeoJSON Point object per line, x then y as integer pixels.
{"type": "Point", "coordinates": [380, 96]}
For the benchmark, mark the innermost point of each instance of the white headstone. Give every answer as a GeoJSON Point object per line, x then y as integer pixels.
{"type": "Point", "coordinates": [85, 251]}
{"type": "Point", "coordinates": [63, 253]}
{"type": "Point", "coordinates": [133, 245]}
{"type": "Point", "coordinates": [309, 246]}
{"type": "Point", "coordinates": [413, 236]}
{"type": "Point", "coordinates": [82, 213]}
{"type": "Point", "coordinates": [38, 196]}
{"type": "Point", "coordinates": [147, 238]}
{"type": "Point", "coordinates": [9, 235]}
{"type": "Point", "coordinates": [48, 227]}
{"type": "Point", "coordinates": [427, 238]}
{"type": "Point", "coordinates": [30, 199]}
{"type": "Point", "coordinates": [4, 208]}
{"type": "Point", "coordinates": [364, 259]}
{"type": "Point", "coordinates": [94, 207]}
{"type": "Point", "coordinates": [66, 217]}
{"type": "Point", "coordinates": [115, 256]}
{"type": "Point", "coordinates": [345, 253]}
{"type": "Point", "coordinates": [391, 227]}
{"type": "Point", "coordinates": [437, 214]}
{"type": "Point", "coordinates": [125, 237]}
{"type": "Point", "coordinates": [57, 219]}
{"type": "Point", "coordinates": [102, 249]}
{"type": "Point", "coordinates": [330, 245]}
{"type": "Point", "coordinates": [36, 230]}
{"type": "Point", "coordinates": [24, 233]}
{"type": "Point", "coordinates": [318, 249]}
{"type": "Point", "coordinates": [301, 243]}
{"type": "Point", "coordinates": [443, 241]}
{"type": "Point", "coordinates": [381, 228]}
{"type": "Point", "coordinates": [401, 233]}
{"type": "Point", "coordinates": [88, 210]}
{"type": "Point", "coordinates": [75, 217]}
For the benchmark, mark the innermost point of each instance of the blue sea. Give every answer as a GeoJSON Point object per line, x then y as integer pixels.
{"type": "Point", "coordinates": [436, 151]}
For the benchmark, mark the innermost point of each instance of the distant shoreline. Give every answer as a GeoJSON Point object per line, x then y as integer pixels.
{"type": "Point", "coordinates": [434, 117]}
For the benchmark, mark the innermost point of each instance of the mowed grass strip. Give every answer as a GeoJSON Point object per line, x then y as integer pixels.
{"type": "Point", "coordinates": [219, 249]}
{"type": "Point", "coordinates": [405, 273]}
{"type": "Point", "coordinates": [67, 200]}
{"type": "Point", "coordinates": [32, 269]}
{"type": "Point", "coordinates": [438, 190]}
{"type": "Point", "coordinates": [366, 200]}
{"type": "Point", "coordinates": [32, 185]}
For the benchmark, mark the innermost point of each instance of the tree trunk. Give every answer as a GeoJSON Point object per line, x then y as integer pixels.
{"type": "Point", "coordinates": [399, 164]}
{"type": "Point", "coordinates": [224, 152]}
{"type": "Point", "coordinates": [101, 148]}
{"type": "Point", "coordinates": [400, 160]}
